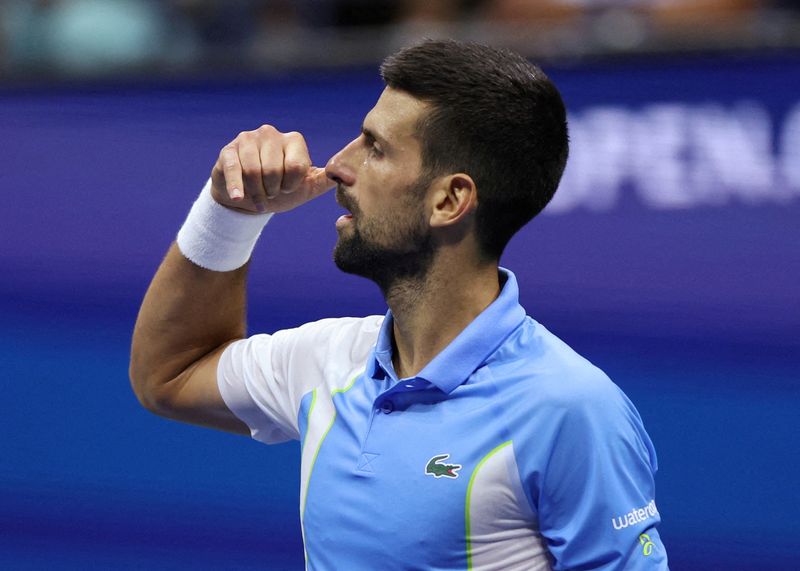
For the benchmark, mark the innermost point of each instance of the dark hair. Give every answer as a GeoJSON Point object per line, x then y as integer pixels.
{"type": "Point", "coordinates": [496, 117]}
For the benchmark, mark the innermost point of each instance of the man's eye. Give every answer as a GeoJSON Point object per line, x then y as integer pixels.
{"type": "Point", "coordinates": [375, 150]}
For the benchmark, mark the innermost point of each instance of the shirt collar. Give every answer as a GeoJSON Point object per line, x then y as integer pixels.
{"type": "Point", "coordinates": [469, 350]}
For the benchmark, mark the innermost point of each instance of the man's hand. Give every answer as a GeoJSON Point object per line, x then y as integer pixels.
{"type": "Point", "coordinates": [266, 171]}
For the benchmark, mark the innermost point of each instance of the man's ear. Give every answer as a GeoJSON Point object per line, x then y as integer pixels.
{"type": "Point", "coordinates": [455, 197]}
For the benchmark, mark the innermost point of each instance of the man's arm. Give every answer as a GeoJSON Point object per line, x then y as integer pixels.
{"type": "Point", "coordinates": [190, 314]}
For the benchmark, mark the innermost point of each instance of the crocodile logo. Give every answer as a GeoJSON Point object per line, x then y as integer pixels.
{"type": "Point", "coordinates": [437, 470]}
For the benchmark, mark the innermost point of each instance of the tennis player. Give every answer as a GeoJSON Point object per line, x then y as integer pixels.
{"type": "Point", "coordinates": [455, 432]}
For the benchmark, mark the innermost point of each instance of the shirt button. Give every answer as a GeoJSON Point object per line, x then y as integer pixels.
{"type": "Point", "coordinates": [387, 407]}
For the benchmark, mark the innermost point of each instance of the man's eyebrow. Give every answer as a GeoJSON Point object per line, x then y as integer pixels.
{"type": "Point", "coordinates": [369, 134]}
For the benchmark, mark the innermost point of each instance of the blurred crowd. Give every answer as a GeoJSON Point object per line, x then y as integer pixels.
{"type": "Point", "coordinates": [67, 37]}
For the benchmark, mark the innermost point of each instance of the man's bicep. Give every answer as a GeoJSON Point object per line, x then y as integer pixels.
{"type": "Point", "coordinates": [194, 397]}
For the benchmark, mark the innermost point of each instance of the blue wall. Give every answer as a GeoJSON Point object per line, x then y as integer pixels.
{"type": "Point", "coordinates": [671, 259]}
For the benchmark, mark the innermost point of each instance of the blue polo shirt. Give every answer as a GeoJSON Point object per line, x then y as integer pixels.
{"type": "Point", "coordinates": [507, 451]}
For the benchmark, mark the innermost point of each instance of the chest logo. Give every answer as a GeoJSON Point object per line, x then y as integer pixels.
{"type": "Point", "coordinates": [439, 470]}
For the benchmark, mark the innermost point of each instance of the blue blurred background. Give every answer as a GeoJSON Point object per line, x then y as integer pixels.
{"type": "Point", "coordinates": [670, 258]}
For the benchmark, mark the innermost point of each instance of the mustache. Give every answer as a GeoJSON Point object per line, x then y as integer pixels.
{"type": "Point", "coordinates": [345, 200]}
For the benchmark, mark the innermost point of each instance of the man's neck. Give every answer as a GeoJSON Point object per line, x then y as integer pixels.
{"type": "Point", "coordinates": [430, 312]}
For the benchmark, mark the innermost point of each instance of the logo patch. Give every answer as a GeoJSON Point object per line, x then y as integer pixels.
{"type": "Point", "coordinates": [647, 545]}
{"type": "Point", "coordinates": [437, 470]}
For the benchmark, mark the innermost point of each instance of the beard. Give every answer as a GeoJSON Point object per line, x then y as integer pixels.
{"type": "Point", "coordinates": [389, 249]}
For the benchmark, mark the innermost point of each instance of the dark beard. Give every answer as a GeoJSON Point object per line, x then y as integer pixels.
{"type": "Point", "coordinates": [385, 266]}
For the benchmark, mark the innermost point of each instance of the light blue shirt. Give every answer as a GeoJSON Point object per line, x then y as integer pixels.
{"type": "Point", "coordinates": [507, 451]}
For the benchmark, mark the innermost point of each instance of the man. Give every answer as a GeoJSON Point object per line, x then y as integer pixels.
{"type": "Point", "coordinates": [455, 432]}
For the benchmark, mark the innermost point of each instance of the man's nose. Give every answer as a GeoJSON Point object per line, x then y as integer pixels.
{"type": "Point", "coordinates": [340, 166]}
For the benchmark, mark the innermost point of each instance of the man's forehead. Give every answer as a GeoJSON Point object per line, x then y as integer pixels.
{"type": "Point", "coordinates": [395, 115]}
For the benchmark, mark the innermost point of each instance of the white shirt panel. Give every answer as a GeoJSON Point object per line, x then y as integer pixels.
{"type": "Point", "coordinates": [263, 379]}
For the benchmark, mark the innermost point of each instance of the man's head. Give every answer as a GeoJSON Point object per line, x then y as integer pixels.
{"type": "Point", "coordinates": [456, 120]}
{"type": "Point", "coordinates": [494, 116]}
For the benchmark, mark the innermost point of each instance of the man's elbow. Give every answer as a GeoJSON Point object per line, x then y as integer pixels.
{"type": "Point", "coordinates": [149, 390]}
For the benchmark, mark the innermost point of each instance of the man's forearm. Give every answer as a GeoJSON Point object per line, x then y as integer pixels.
{"type": "Point", "coordinates": [187, 313]}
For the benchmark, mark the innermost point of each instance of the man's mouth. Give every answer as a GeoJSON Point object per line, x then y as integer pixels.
{"type": "Point", "coordinates": [343, 220]}
{"type": "Point", "coordinates": [344, 201]}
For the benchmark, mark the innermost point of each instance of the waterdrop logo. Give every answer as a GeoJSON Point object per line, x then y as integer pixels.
{"type": "Point", "coordinates": [635, 516]}
{"type": "Point", "coordinates": [647, 545]}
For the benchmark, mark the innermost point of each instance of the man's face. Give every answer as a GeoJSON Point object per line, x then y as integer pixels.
{"type": "Point", "coordinates": [387, 234]}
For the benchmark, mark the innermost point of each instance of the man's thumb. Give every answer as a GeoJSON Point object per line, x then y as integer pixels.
{"type": "Point", "coordinates": [317, 182]}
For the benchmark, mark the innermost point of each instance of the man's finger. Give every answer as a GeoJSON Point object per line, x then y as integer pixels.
{"type": "Point", "coordinates": [271, 156]}
{"type": "Point", "coordinates": [316, 182]}
{"type": "Point", "coordinates": [251, 171]}
{"type": "Point", "coordinates": [296, 162]}
{"type": "Point", "coordinates": [232, 171]}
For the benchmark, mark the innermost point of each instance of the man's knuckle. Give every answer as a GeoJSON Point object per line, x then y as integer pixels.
{"type": "Point", "coordinates": [271, 173]}
{"type": "Point", "coordinates": [296, 166]}
{"type": "Point", "coordinates": [250, 172]}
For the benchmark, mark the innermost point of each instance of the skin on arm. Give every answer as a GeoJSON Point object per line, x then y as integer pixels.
{"type": "Point", "coordinates": [190, 314]}
{"type": "Point", "coordinates": [188, 317]}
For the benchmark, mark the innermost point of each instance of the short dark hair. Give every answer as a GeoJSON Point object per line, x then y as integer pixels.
{"type": "Point", "coordinates": [496, 117]}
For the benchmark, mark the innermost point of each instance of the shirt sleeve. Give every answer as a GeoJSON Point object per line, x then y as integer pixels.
{"type": "Point", "coordinates": [596, 503]}
{"type": "Point", "coordinates": [263, 379]}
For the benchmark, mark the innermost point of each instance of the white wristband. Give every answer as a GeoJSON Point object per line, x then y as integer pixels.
{"type": "Point", "coordinates": [218, 238]}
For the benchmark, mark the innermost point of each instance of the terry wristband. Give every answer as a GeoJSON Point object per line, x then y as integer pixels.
{"type": "Point", "coordinates": [218, 238]}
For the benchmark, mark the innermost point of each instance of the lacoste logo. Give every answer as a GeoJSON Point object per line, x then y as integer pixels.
{"type": "Point", "coordinates": [437, 470]}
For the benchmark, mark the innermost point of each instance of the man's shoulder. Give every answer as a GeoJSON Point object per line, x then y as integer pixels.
{"type": "Point", "coordinates": [542, 364]}
{"type": "Point", "coordinates": [552, 393]}
{"type": "Point", "coordinates": [335, 338]}
{"type": "Point", "coordinates": [345, 326]}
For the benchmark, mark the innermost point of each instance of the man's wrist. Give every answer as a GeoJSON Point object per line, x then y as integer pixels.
{"type": "Point", "coordinates": [216, 237]}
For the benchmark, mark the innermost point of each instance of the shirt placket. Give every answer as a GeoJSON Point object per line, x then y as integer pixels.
{"type": "Point", "coordinates": [385, 408]}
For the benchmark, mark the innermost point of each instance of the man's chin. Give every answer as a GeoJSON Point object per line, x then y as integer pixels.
{"type": "Point", "coordinates": [345, 259]}
{"type": "Point", "coordinates": [352, 257]}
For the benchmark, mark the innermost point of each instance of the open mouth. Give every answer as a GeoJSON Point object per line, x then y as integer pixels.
{"type": "Point", "coordinates": [342, 200]}
{"type": "Point", "coordinates": [344, 221]}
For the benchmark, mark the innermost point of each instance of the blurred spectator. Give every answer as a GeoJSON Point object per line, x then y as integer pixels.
{"type": "Point", "coordinates": [102, 36]}
{"type": "Point", "coordinates": [282, 36]}
{"type": "Point", "coordinates": [424, 19]}
{"type": "Point", "coordinates": [25, 33]}
{"type": "Point", "coordinates": [685, 13]}
{"type": "Point", "coordinates": [515, 12]}
{"type": "Point", "coordinates": [83, 36]}
{"type": "Point", "coordinates": [624, 24]}
{"type": "Point", "coordinates": [219, 23]}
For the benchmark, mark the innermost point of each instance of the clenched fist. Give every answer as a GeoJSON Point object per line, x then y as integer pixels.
{"type": "Point", "coordinates": [266, 171]}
